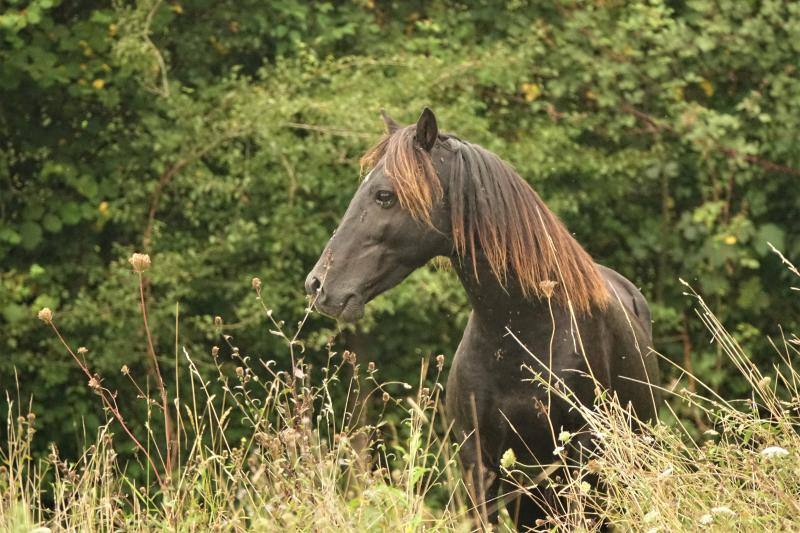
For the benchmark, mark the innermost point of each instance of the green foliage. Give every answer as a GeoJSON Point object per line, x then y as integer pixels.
{"type": "Point", "coordinates": [223, 138]}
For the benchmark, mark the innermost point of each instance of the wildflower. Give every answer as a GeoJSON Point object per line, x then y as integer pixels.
{"type": "Point", "coordinates": [98, 84]}
{"type": "Point", "coordinates": [139, 262]}
{"type": "Point", "coordinates": [594, 466]}
{"type": "Point", "coordinates": [564, 436]}
{"type": "Point", "coordinates": [558, 450]}
{"type": "Point", "coordinates": [722, 509]}
{"type": "Point", "coordinates": [45, 315]}
{"type": "Point", "coordinates": [83, 350]}
{"type": "Point", "coordinates": [386, 397]}
{"type": "Point", "coordinates": [651, 516]}
{"type": "Point", "coordinates": [215, 351]}
{"type": "Point", "coordinates": [256, 284]}
{"type": "Point", "coordinates": [771, 452]}
{"type": "Point", "coordinates": [94, 383]}
{"type": "Point", "coordinates": [547, 286]}
{"type": "Point", "coordinates": [439, 362]}
{"type": "Point", "coordinates": [125, 370]}
{"type": "Point", "coordinates": [371, 366]}
{"type": "Point", "coordinates": [711, 433]}
{"type": "Point", "coordinates": [508, 459]}
{"type": "Point", "coordinates": [764, 382]}
{"type": "Point", "coordinates": [239, 371]}
{"type": "Point", "coordinates": [706, 520]}
{"type": "Point", "coordinates": [666, 472]}
{"type": "Point", "coordinates": [218, 321]}
{"type": "Point", "coordinates": [585, 487]}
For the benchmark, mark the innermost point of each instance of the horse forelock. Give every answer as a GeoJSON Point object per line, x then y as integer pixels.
{"type": "Point", "coordinates": [494, 210]}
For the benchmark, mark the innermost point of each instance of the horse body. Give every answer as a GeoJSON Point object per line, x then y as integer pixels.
{"type": "Point", "coordinates": [539, 302]}
{"type": "Point", "coordinates": [490, 379]}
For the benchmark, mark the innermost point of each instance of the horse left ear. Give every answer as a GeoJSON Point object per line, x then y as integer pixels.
{"type": "Point", "coordinates": [391, 125]}
{"type": "Point", "coordinates": [427, 130]}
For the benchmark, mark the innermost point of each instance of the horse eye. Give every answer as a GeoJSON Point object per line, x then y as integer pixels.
{"type": "Point", "coordinates": [385, 199]}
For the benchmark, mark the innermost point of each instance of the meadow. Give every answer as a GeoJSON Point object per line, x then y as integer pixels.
{"type": "Point", "coordinates": [320, 453]}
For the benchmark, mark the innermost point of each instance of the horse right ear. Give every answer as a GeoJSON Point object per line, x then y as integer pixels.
{"type": "Point", "coordinates": [391, 125]}
{"type": "Point", "coordinates": [427, 130]}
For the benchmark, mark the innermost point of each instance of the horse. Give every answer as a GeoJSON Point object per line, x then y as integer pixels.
{"type": "Point", "coordinates": [535, 294]}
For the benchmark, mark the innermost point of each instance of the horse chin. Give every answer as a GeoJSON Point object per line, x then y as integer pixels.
{"type": "Point", "coordinates": [352, 312]}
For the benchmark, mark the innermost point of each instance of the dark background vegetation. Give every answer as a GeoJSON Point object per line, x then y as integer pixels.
{"type": "Point", "coordinates": [222, 138]}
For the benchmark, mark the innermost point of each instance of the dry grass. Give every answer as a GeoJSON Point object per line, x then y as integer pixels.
{"type": "Point", "coordinates": [305, 465]}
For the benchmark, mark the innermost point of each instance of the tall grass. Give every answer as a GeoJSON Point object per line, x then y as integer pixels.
{"type": "Point", "coordinates": [305, 464]}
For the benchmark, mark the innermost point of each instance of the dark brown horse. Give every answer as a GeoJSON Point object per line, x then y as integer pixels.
{"type": "Point", "coordinates": [537, 297]}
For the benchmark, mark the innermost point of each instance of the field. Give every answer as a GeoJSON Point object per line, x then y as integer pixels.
{"type": "Point", "coordinates": [310, 461]}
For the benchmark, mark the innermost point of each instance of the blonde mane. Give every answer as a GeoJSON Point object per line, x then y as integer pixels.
{"type": "Point", "coordinates": [494, 210]}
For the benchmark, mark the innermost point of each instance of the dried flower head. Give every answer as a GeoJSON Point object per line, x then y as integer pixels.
{"type": "Point", "coordinates": [83, 350]}
{"type": "Point", "coordinates": [139, 262]}
{"type": "Point", "coordinates": [45, 315]}
{"type": "Point", "coordinates": [256, 284]}
{"type": "Point", "coordinates": [371, 366]}
{"type": "Point", "coordinates": [386, 397]}
{"type": "Point", "coordinates": [547, 287]}
{"type": "Point", "coordinates": [125, 370]}
{"type": "Point", "coordinates": [215, 351]}
{"type": "Point", "coordinates": [218, 321]}
{"type": "Point", "coordinates": [94, 383]}
{"type": "Point", "coordinates": [440, 361]}
{"type": "Point", "coordinates": [239, 371]}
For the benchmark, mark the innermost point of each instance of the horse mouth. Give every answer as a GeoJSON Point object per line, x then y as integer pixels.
{"type": "Point", "coordinates": [349, 311]}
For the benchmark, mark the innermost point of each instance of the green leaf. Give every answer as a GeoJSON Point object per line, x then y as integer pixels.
{"type": "Point", "coordinates": [51, 223]}
{"type": "Point", "coordinates": [768, 233]}
{"type": "Point", "coordinates": [31, 234]}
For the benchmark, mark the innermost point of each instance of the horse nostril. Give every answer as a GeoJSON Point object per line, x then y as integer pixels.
{"type": "Point", "coordinates": [313, 285]}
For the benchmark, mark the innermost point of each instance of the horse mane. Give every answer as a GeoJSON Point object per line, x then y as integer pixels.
{"type": "Point", "coordinates": [495, 211]}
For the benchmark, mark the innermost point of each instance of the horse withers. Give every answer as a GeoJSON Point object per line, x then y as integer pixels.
{"type": "Point", "coordinates": [537, 297]}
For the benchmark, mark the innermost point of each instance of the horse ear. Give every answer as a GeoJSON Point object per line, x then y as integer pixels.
{"type": "Point", "coordinates": [427, 130]}
{"type": "Point", "coordinates": [391, 125]}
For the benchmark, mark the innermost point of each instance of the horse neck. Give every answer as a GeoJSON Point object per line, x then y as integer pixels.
{"type": "Point", "coordinates": [497, 305]}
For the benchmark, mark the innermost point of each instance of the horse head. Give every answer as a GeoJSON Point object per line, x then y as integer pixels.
{"type": "Point", "coordinates": [389, 229]}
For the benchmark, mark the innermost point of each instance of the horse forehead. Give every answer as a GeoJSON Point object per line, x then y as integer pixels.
{"type": "Point", "coordinates": [376, 174]}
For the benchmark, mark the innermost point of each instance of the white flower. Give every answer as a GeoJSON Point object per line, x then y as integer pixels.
{"type": "Point", "coordinates": [559, 450]}
{"type": "Point", "coordinates": [722, 509]}
{"type": "Point", "coordinates": [706, 519]}
{"type": "Point", "coordinates": [652, 516]}
{"type": "Point", "coordinates": [771, 452]}
{"type": "Point", "coordinates": [666, 472]}
{"type": "Point", "coordinates": [711, 433]}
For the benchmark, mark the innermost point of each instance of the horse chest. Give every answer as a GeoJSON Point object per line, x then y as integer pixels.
{"type": "Point", "coordinates": [492, 382]}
